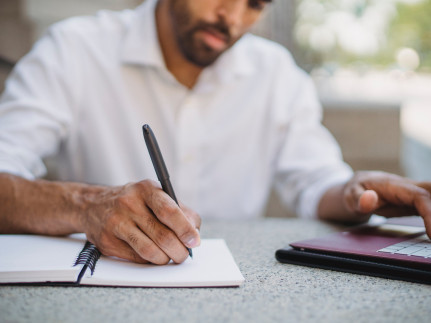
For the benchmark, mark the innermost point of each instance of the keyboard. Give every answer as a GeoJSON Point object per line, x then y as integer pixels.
{"type": "Point", "coordinates": [419, 247]}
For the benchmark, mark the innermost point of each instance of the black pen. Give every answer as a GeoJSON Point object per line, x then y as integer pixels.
{"type": "Point", "coordinates": [159, 165]}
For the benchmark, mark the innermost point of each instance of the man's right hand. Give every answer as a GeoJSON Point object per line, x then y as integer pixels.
{"type": "Point", "coordinates": [141, 223]}
{"type": "Point", "coordinates": [138, 221]}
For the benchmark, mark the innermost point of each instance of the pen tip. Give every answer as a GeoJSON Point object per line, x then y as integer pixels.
{"type": "Point", "coordinates": [146, 128]}
{"type": "Point", "coordinates": [190, 252]}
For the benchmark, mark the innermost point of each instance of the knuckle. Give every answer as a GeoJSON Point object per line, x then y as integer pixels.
{"type": "Point", "coordinates": [113, 223]}
{"type": "Point", "coordinates": [187, 234]}
{"type": "Point", "coordinates": [165, 238]}
{"type": "Point", "coordinates": [424, 193]}
{"type": "Point", "coordinates": [146, 182]}
{"type": "Point", "coordinates": [145, 250]}
{"type": "Point", "coordinates": [153, 254]}
{"type": "Point", "coordinates": [150, 224]}
{"type": "Point", "coordinates": [146, 185]}
{"type": "Point", "coordinates": [126, 201]}
{"type": "Point", "coordinates": [121, 227]}
{"type": "Point", "coordinates": [168, 210]}
{"type": "Point", "coordinates": [181, 257]}
{"type": "Point", "coordinates": [126, 188]}
{"type": "Point", "coordinates": [132, 239]}
{"type": "Point", "coordinates": [123, 200]}
{"type": "Point", "coordinates": [141, 186]}
{"type": "Point", "coordinates": [172, 208]}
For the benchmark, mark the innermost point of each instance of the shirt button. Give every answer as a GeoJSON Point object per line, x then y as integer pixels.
{"type": "Point", "coordinates": [188, 101]}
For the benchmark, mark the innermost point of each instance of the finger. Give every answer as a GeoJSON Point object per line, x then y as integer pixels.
{"type": "Point", "coordinates": [368, 201]}
{"type": "Point", "coordinates": [118, 248]}
{"type": "Point", "coordinates": [392, 211]}
{"type": "Point", "coordinates": [353, 194]}
{"type": "Point", "coordinates": [163, 237]}
{"type": "Point", "coordinates": [425, 185]}
{"type": "Point", "coordinates": [407, 195]}
{"type": "Point", "coordinates": [141, 244]}
{"type": "Point", "coordinates": [423, 205]}
{"type": "Point", "coordinates": [192, 215]}
{"type": "Point", "coordinates": [417, 196]}
{"type": "Point", "coordinates": [398, 193]}
{"type": "Point", "coordinates": [170, 214]}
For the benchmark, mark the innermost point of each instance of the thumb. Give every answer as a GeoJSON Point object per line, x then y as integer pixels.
{"type": "Point", "coordinates": [368, 202]}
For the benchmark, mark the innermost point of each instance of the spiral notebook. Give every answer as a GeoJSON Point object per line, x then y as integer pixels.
{"type": "Point", "coordinates": [71, 261]}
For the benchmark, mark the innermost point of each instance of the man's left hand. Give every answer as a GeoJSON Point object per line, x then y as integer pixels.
{"type": "Point", "coordinates": [389, 195]}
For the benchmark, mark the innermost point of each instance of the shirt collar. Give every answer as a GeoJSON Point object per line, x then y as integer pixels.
{"type": "Point", "coordinates": [141, 47]}
{"type": "Point", "coordinates": [236, 61]}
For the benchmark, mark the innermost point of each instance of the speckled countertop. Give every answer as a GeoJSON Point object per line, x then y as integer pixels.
{"type": "Point", "coordinates": [272, 292]}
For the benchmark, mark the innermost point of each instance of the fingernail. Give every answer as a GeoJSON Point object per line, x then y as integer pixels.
{"type": "Point", "coordinates": [193, 242]}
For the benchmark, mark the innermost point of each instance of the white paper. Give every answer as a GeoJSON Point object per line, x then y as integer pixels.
{"type": "Point", "coordinates": [212, 265]}
{"type": "Point", "coordinates": [31, 258]}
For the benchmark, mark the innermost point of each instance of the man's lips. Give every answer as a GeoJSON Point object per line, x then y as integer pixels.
{"type": "Point", "coordinates": [214, 39]}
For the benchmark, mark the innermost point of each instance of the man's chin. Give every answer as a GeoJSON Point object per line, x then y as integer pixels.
{"type": "Point", "coordinates": [202, 59]}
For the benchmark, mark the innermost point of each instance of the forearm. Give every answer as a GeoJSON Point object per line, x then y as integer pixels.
{"type": "Point", "coordinates": [43, 207]}
{"type": "Point", "coordinates": [332, 207]}
{"type": "Point", "coordinates": [137, 221]}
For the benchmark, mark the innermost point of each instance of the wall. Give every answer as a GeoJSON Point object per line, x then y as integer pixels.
{"type": "Point", "coordinates": [15, 32]}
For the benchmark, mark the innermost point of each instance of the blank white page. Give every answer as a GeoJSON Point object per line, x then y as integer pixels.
{"type": "Point", "coordinates": [32, 258]}
{"type": "Point", "coordinates": [212, 265]}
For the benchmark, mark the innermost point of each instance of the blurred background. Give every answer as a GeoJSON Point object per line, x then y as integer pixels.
{"type": "Point", "coordinates": [370, 60]}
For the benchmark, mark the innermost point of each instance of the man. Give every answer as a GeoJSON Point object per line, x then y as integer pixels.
{"type": "Point", "coordinates": [232, 112]}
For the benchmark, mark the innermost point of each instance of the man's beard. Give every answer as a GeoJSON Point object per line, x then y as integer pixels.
{"type": "Point", "coordinates": [194, 50]}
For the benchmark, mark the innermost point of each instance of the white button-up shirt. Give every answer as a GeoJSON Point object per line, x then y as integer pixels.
{"type": "Point", "coordinates": [81, 96]}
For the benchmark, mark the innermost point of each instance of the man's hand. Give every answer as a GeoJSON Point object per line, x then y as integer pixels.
{"type": "Point", "coordinates": [137, 221]}
{"type": "Point", "coordinates": [389, 195]}
{"type": "Point", "coordinates": [140, 222]}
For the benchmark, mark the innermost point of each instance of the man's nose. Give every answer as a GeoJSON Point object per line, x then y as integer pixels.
{"type": "Point", "coordinates": [232, 12]}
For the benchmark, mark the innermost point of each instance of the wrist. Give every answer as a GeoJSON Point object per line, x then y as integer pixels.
{"type": "Point", "coordinates": [335, 205]}
{"type": "Point", "coordinates": [85, 199]}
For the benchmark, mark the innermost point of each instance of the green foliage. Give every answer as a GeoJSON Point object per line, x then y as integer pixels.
{"type": "Point", "coordinates": [412, 28]}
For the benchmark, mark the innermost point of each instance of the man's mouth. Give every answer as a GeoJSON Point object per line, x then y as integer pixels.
{"type": "Point", "coordinates": [213, 38]}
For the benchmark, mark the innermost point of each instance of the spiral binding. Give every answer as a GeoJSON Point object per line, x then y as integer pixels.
{"type": "Point", "coordinates": [88, 257]}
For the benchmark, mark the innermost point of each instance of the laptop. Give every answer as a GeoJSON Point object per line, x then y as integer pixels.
{"type": "Point", "coordinates": [397, 249]}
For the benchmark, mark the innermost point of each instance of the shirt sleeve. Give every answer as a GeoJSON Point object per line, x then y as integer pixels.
{"type": "Point", "coordinates": [310, 160]}
{"type": "Point", "coordinates": [35, 107]}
